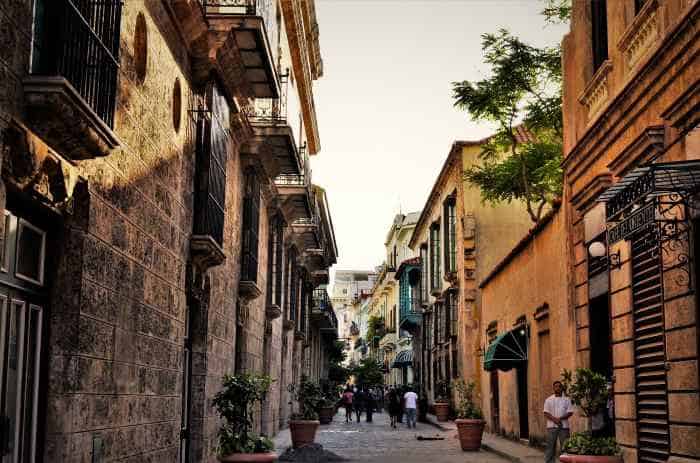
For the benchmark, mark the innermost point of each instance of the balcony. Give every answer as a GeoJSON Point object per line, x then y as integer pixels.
{"type": "Point", "coordinates": [322, 313]}
{"type": "Point", "coordinates": [245, 20]}
{"type": "Point", "coordinates": [75, 62]}
{"type": "Point", "coordinates": [295, 191]}
{"type": "Point", "coordinates": [410, 309]}
{"type": "Point", "coordinates": [272, 141]}
{"type": "Point", "coordinates": [388, 342]}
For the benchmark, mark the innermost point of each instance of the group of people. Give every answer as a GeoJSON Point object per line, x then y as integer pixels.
{"type": "Point", "coordinates": [369, 400]}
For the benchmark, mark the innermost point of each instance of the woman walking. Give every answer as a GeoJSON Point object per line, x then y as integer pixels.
{"type": "Point", "coordinates": [347, 402]}
{"type": "Point", "coordinates": [394, 407]}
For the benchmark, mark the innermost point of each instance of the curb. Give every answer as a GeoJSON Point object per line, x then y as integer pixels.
{"type": "Point", "coordinates": [501, 453]}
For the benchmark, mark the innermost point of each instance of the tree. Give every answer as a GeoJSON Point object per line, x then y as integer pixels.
{"type": "Point", "coordinates": [368, 373]}
{"type": "Point", "coordinates": [522, 95]}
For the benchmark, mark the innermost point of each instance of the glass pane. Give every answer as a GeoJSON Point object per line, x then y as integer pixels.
{"type": "Point", "coordinates": [30, 253]}
{"type": "Point", "coordinates": [4, 260]}
{"type": "Point", "coordinates": [14, 366]}
{"type": "Point", "coordinates": [31, 382]}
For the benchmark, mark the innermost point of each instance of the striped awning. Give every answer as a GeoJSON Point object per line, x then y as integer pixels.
{"type": "Point", "coordinates": [403, 359]}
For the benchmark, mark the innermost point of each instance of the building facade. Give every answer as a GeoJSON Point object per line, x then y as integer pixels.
{"type": "Point", "coordinates": [348, 285]}
{"type": "Point", "coordinates": [631, 149]}
{"type": "Point", "coordinates": [161, 228]}
{"type": "Point", "coordinates": [457, 239]}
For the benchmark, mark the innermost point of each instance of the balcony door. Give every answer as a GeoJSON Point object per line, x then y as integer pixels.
{"type": "Point", "coordinates": [22, 299]}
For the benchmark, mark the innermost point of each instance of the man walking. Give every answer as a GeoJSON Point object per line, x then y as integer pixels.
{"type": "Point", "coordinates": [410, 403]}
{"type": "Point", "coordinates": [557, 410]}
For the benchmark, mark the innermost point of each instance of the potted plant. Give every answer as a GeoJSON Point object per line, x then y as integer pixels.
{"type": "Point", "coordinates": [327, 409]}
{"type": "Point", "coordinates": [237, 442]}
{"type": "Point", "coordinates": [303, 425]}
{"type": "Point", "coordinates": [442, 401]}
{"type": "Point", "coordinates": [588, 390]}
{"type": "Point", "coordinates": [470, 422]}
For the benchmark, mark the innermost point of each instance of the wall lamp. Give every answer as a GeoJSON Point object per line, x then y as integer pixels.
{"type": "Point", "coordinates": [598, 249]}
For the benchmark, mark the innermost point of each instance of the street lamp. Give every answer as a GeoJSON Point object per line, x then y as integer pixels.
{"type": "Point", "coordinates": [598, 249]}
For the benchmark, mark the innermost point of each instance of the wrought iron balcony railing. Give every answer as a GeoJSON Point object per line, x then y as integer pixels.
{"type": "Point", "coordinates": [303, 179]}
{"type": "Point", "coordinates": [271, 110]}
{"type": "Point", "coordinates": [79, 40]}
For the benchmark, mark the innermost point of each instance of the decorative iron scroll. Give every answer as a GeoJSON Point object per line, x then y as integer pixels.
{"type": "Point", "coordinates": [639, 188]}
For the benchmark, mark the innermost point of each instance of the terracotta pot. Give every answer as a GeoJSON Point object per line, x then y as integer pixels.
{"type": "Point", "coordinates": [567, 458]}
{"type": "Point", "coordinates": [267, 457]}
{"type": "Point", "coordinates": [470, 433]}
{"type": "Point", "coordinates": [442, 411]}
{"type": "Point", "coordinates": [325, 414]}
{"type": "Point", "coordinates": [303, 432]}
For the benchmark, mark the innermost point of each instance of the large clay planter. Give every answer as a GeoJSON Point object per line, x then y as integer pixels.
{"type": "Point", "coordinates": [267, 457]}
{"type": "Point", "coordinates": [303, 432]}
{"type": "Point", "coordinates": [567, 458]}
{"type": "Point", "coordinates": [325, 414]}
{"type": "Point", "coordinates": [442, 411]}
{"type": "Point", "coordinates": [470, 433]}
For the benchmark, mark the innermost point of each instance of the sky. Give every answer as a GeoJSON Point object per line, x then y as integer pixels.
{"type": "Point", "coordinates": [384, 103]}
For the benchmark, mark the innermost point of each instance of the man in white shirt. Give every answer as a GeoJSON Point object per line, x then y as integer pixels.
{"type": "Point", "coordinates": [410, 402]}
{"type": "Point", "coordinates": [557, 410]}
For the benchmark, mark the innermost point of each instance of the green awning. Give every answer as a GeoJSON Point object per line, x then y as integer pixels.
{"type": "Point", "coordinates": [507, 351]}
{"type": "Point", "coordinates": [403, 359]}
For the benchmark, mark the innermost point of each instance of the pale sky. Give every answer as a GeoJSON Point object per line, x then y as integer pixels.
{"type": "Point", "coordinates": [384, 103]}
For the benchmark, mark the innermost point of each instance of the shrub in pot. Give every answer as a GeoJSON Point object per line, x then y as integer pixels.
{"type": "Point", "coordinates": [237, 442]}
{"type": "Point", "coordinates": [588, 390]}
{"type": "Point", "coordinates": [327, 409]}
{"type": "Point", "coordinates": [303, 425]}
{"type": "Point", "coordinates": [442, 401]}
{"type": "Point", "coordinates": [470, 420]}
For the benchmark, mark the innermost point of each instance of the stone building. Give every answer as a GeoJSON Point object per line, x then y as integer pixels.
{"type": "Point", "coordinates": [395, 346]}
{"type": "Point", "coordinates": [161, 228]}
{"type": "Point", "coordinates": [458, 239]}
{"type": "Point", "coordinates": [527, 330]}
{"type": "Point", "coordinates": [631, 160]}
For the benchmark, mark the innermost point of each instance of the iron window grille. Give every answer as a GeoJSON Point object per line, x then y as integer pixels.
{"type": "Point", "coordinates": [212, 154]}
{"type": "Point", "coordinates": [424, 273]}
{"type": "Point", "coordinates": [251, 225]}
{"type": "Point", "coordinates": [452, 305]}
{"type": "Point", "coordinates": [435, 256]}
{"type": "Point", "coordinates": [450, 247]}
{"type": "Point", "coordinates": [599, 32]}
{"type": "Point", "coordinates": [293, 284]}
{"type": "Point", "coordinates": [437, 324]}
{"type": "Point", "coordinates": [275, 264]}
{"type": "Point", "coordinates": [302, 307]}
{"type": "Point", "coordinates": [79, 40]}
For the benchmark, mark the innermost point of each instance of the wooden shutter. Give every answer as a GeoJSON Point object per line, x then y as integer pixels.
{"type": "Point", "coordinates": [649, 349]}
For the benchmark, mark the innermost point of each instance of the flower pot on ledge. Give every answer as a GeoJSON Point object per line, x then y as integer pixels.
{"type": "Point", "coordinates": [442, 411]}
{"type": "Point", "coordinates": [267, 457]}
{"type": "Point", "coordinates": [303, 432]}
{"type": "Point", "coordinates": [470, 433]}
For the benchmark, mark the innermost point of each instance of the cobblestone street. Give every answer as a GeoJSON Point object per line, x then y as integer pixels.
{"type": "Point", "coordinates": [377, 442]}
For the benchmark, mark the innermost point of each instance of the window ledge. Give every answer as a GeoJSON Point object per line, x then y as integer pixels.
{"type": "Point", "coordinates": [596, 93]}
{"type": "Point", "coordinates": [206, 252]}
{"type": "Point", "coordinates": [640, 34]}
{"type": "Point", "coordinates": [59, 115]}
{"type": "Point", "coordinates": [249, 290]}
{"type": "Point", "coordinates": [273, 311]}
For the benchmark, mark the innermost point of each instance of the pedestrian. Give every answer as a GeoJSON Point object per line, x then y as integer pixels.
{"type": "Point", "coordinates": [557, 411]}
{"type": "Point", "coordinates": [410, 399]}
{"type": "Point", "coordinates": [394, 407]}
{"type": "Point", "coordinates": [358, 402]}
{"type": "Point", "coordinates": [370, 404]}
{"type": "Point", "coordinates": [347, 402]}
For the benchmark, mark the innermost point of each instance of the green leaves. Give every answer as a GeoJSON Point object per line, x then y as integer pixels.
{"type": "Point", "coordinates": [522, 95]}
{"type": "Point", "coordinates": [557, 11]}
{"type": "Point", "coordinates": [375, 327]}
{"type": "Point", "coordinates": [583, 443]}
{"type": "Point", "coordinates": [368, 373]}
{"type": "Point", "coordinates": [587, 389]}
{"type": "Point", "coordinates": [467, 408]}
{"type": "Point", "coordinates": [238, 394]}
{"type": "Point", "coordinates": [309, 397]}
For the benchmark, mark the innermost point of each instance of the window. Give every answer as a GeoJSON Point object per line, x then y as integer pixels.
{"type": "Point", "coordinates": [452, 306]}
{"type": "Point", "coordinates": [79, 40]}
{"type": "Point", "coordinates": [455, 370]}
{"type": "Point", "coordinates": [449, 213]}
{"type": "Point", "coordinates": [292, 284]}
{"type": "Point", "coordinates": [599, 32]}
{"type": "Point", "coordinates": [438, 322]}
{"type": "Point", "coordinates": [424, 287]}
{"type": "Point", "coordinates": [212, 154]}
{"type": "Point", "coordinates": [251, 224]}
{"type": "Point", "coordinates": [435, 256]}
{"type": "Point", "coordinates": [275, 264]}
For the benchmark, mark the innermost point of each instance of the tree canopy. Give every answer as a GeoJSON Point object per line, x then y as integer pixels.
{"type": "Point", "coordinates": [522, 95]}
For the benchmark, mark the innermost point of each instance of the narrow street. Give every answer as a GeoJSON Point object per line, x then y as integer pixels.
{"type": "Point", "coordinates": [377, 442]}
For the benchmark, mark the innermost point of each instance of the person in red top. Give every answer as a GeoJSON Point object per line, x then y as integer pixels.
{"type": "Point", "coordinates": [347, 402]}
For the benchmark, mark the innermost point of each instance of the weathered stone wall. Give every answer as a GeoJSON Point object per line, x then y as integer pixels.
{"type": "Point", "coordinates": [532, 284]}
